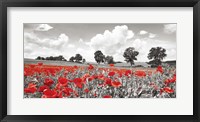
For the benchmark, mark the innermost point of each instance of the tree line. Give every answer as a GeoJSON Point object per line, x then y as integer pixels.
{"type": "Point", "coordinates": [156, 55]}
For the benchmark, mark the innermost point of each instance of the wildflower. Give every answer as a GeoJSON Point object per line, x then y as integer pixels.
{"type": "Point", "coordinates": [116, 84]}
{"type": "Point", "coordinates": [40, 63]}
{"type": "Point", "coordinates": [168, 90]}
{"type": "Point", "coordinates": [140, 73]}
{"type": "Point", "coordinates": [90, 67]}
{"type": "Point", "coordinates": [107, 96]}
{"type": "Point", "coordinates": [111, 73]}
{"type": "Point", "coordinates": [111, 65]}
{"type": "Point", "coordinates": [62, 80]}
{"type": "Point", "coordinates": [48, 82]}
{"type": "Point", "coordinates": [42, 88]}
{"type": "Point", "coordinates": [159, 69]}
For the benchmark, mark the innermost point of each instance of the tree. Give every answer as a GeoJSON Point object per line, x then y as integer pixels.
{"type": "Point", "coordinates": [99, 57]}
{"type": "Point", "coordinates": [157, 54]}
{"type": "Point", "coordinates": [78, 57]}
{"type": "Point", "coordinates": [38, 58]}
{"type": "Point", "coordinates": [109, 59]}
{"type": "Point", "coordinates": [72, 59]}
{"type": "Point", "coordinates": [83, 61]}
{"type": "Point", "coordinates": [130, 55]}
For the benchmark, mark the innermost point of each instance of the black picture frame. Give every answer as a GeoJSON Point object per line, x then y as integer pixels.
{"type": "Point", "coordinates": [99, 3]}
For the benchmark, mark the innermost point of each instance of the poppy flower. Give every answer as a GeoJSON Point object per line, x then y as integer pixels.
{"type": "Point", "coordinates": [173, 79]}
{"type": "Point", "coordinates": [90, 67]}
{"type": "Point", "coordinates": [140, 73]}
{"type": "Point", "coordinates": [159, 69]}
{"type": "Point", "coordinates": [128, 72]}
{"type": "Point", "coordinates": [62, 80]}
{"type": "Point", "coordinates": [116, 84]}
{"type": "Point", "coordinates": [167, 81]}
{"type": "Point", "coordinates": [67, 91]}
{"type": "Point", "coordinates": [90, 78]}
{"type": "Point", "coordinates": [111, 65]}
{"type": "Point", "coordinates": [111, 73]}
{"type": "Point", "coordinates": [48, 82]}
{"type": "Point", "coordinates": [42, 88]}
{"type": "Point", "coordinates": [107, 96]}
{"type": "Point", "coordinates": [75, 67]}
{"type": "Point", "coordinates": [168, 90]}
{"type": "Point", "coordinates": [30, 90]}
{"type": "Point", "coordinates": [47, 93]}
{"type": "Point", "coordinates": [86, 90]}
{"type": "Point", "coordinates": [108, 81]}
{"type": "Point", "coordinates": [40, 63]}
{"type": "Point", "coordinates": [78, 82]}
{"type": "Point", "coordinates": [95, 76]}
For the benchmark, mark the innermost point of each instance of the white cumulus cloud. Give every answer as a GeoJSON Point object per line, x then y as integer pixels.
{"type": "Point", "coordinates": [111, 41]}
{"type": "Point", "coordinates": [143, 32]}
{"type": "Point", "coordinates": [43, 27]}
{"type": "Point", "coordinates": [151, 35]}
{"type": "Point", "coordinates": [170, 28]}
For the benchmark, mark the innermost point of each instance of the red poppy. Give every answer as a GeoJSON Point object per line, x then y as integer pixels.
{"type": "Point", "coordinates": [94, 76]}
{"type": "Point", "coordinates": [78, 82]}
{"type": "Point", "coordinates": [40, 63]}
{"type": "Point", "coordinates": [32, 85]}
{"type": "Point", "coordinates": [161, 91]}
{"type": "Point", "coordinates": [90, 78]}
{"type": "Point", "coordinates": [111, 65]}
{"type": "Point", "coordinates": [47, 93]}
{"type": "Point", "coordinates": [62, 80]}
{"type": "Point", "coordinates": [167, 81]}
{"type": "Point", "coordinates": [128, 72]}
{"type": "Point", "coordinates": [48, 82]}
{"type": "Point", "coordinates": [159, 69]}
{"type": "Point", "coordinates": [116, 84]}
{"type": "Point", "coordinates": [140, 73]}
{"type": "Point", "coordinates": [86, 90]}
{"type": "Point", "coordinates": [173, 79]}
{"type": "Point", "coordinates": [107, 96]}
{"type": "Point", "coordinates": [30, 90]}
{"type": "Point", "coordinates": [111, 73]}
{"type": "Point", "coordinates": [90, 67]}
{"type": "Point", "coordinates": [67, 91]}
{"type": "Point", "coordinates": [75, 67]}
{"type": "Point", "coordinates": [42, 88]}
{"type": "Point", "coordinates": [168, 90]}
{"type": "Point", "coordinates": [108, 81]}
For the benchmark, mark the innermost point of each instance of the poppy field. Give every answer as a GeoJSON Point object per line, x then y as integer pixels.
{"type": "Point", "coordinates": [91, 81]}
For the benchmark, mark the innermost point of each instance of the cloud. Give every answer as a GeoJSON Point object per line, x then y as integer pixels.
{"type": "Point", "coordinates": [143, 32]}
{"type": "Point", "coordinates": [57, 43]}
{"type": "Point", "coordinates": [43, 27]}
{"type": "Point", "coordinates": [151, 35]}
{"type": "Point", "coordinates": [111, 41]}
{"type": "Point", "coordinates": [70, 46]}
{"type": "Point", "coordinates": [80, 41]}
{"type": "Point", "coordinates": [170, 28]}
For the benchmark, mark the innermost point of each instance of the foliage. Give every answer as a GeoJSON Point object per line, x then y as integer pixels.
{"type": "Point", "coordinates": [157, 54]}
{"type": "Point", "coordinates": [130, 55]}
{"type": "Point", "coordinates": [109, 60]}
{"type": "Point", "coordinates": [99, 57]}
{"type": "Point", "coordinates": [56, 58]}
{"type": "Point", "coordinates": [78, 57]}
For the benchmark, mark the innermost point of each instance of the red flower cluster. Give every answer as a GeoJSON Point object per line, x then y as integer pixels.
{"type": "Point", "coordinates": [47, 81]}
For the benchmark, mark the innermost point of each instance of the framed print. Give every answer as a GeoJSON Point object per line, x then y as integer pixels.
{"type": "Point", "coordinates": [99, 60]}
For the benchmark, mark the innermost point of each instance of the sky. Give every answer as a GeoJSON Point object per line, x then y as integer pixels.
{"type": "Point", "coordinates": [68, 39]}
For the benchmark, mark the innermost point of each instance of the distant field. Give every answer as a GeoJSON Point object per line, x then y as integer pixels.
{"type": "Point", "coordinates": [66, 63]}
